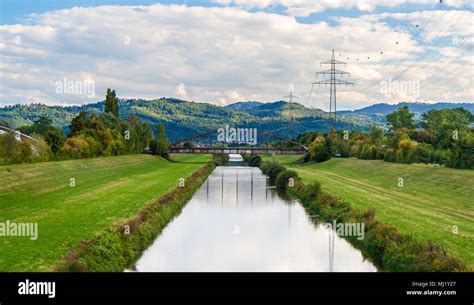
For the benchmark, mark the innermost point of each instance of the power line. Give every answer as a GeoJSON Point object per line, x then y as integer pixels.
{"type": "Point", "coordinates": [437, 39]}
{"type": "Point", "coordinates": [333, 82]}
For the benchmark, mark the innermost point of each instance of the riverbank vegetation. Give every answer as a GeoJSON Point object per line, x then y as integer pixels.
{"type": "Point", "coordinates": [90, 135]}
{"type": "Point", "coordinates": [442, 137]}
{"type": "Point", "coordinates": [387, 246]}
{"type": "Point", "coordinates": [76, 200]}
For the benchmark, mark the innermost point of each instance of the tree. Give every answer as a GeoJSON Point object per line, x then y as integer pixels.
{"type": "Point", "coordinates": [25, 151]}
{"type": "Point", "coordinates": [327, 150]}
{"type": "Point", "coordinates": [402, 118]}
{"type": "Point", "coordinates": [446, 125]}
{"type": "Point", "coordinates": [316, 146]}
{"type": "Point", "coordinates": [42, 125]}
{"type": "Point", "coordinates": [161, 141]}
{"type": "Point", "coordinates": [153, 146]}
{"type": "Point", "coordinates": [55, 139]}
{"type": "Point", "coordinates": [81, 146]}
{"type": "Point", "coordinates": [307, 138]}
{"type": "Point", "coordinates": [80, 122]}
{"type": "Point", "coordinates": [375, 134]}
{"type": "Point", "coordinates": [111, 103]}
{"type": "Point", "coordinates": [462, 152]}
{"type": "Point", "coordinates": [52, 135]}
{"type": "Point", "coordinates": [188, 145]}
{"type": "Point", "coordinates": [147, 134]}
{"type": "Point", "coordinates": [399, 135]}
{"type": "Point", "coordinates": [10, 148]}
{"type": "Point", "coordinates": [41, 151]}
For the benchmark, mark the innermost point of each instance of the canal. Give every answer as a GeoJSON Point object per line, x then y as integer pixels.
{"type": "Point", "coordinates": [236, 222]}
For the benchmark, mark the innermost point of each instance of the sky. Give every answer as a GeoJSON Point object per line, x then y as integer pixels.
{"type": "Point", "coordinates": [224, 51]}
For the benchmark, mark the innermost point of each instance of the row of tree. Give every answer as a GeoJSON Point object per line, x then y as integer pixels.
{"type": "Point", "coordinates": [442, 137]}
{"type": "Point", "coordinates": [90, 136]}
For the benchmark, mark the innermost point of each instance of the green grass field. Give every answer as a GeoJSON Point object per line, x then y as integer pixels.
{"type": "Point", "coordinates": [431, 201]}
{"type": "Point", "coordinates": [107, 191]}
{"type": "Point", "coordinates": [283, 159]}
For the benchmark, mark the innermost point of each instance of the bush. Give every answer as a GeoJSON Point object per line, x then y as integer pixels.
{"type": "Point", "coordinates": [440, 156]}
{"type": "Point", "coordinates": [274, 170]}
{"type": "Point", "coordinates": [264, 167]}
{"type": "Point", "coordinates": [378, 238]}
{"type": "Point", "coordinates": [354, 151]}
{"type": "Point", "coordinates": [406, 147]}
{"type": "Point", "coordinates": [390, 155]}
{"type": "Point", "coordinates": [220, 159]}
{"type": "Point", "coordinates": [422, 153]}
{"type": "Point", "coordinates": [283, 178]}
{"type": "Point", "coordinates": [311, 191]}
{"type": "Point", "coordinates": [344, 148]}
{"type": "Point", "coordinates": [81, 147]}
{"type": "Point", "coordinates": [367, 152]}
{"type": "Point", "coordinates": [255, 161]}
{"type": "Point", "coordinates": [414, 256]}
{"type": "Point", "coordinates": [380, 152]}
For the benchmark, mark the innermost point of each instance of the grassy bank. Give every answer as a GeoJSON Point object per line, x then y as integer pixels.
{"type": "Point", "coordinates": [384, 244]}
{"type": "Point", "coordinates": [107, 192]}
{"type": "Point", "coordinates": [431, 201]}
{"type": "Point", "coordinates": [121, 247]}
{"type": "Point", "coordinates": [283, 159]}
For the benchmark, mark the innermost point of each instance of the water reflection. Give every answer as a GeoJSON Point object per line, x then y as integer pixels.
{"type": "Point", "coordinates": [235, 222]}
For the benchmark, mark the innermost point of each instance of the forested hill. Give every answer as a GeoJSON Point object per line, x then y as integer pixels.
{"type": "Point", "coordinates": [417, 108]}
{"type": "Point", "coordinates": [184, 118]}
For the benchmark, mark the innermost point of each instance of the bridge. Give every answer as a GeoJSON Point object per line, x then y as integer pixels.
{"type": "Point", "coordinates": [18, 135]}
{"type": "Point", "coordinates": [177, 147]}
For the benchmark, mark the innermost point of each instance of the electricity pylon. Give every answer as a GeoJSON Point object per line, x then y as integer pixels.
{"type": "Point", "coordinates": [333, 82]}
{"type": "Point", "coordinates": [290, 104]}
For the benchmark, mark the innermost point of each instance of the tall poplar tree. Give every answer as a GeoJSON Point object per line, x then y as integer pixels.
{"type": "Point", "coordinates": [111, 102]}
{"type": "Point", "coordinates": [162, 141]}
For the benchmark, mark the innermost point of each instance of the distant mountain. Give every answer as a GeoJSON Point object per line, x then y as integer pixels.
{"type": "Point", "coordinates": [184, 118]}
{"type": "Point", "coordinates": [420, 108]}
{"type": "Point", "coordinates": [244, 105]}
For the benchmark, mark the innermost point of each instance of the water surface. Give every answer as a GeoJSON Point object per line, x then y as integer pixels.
{"type": "Point", "coordinates": [234, 222]}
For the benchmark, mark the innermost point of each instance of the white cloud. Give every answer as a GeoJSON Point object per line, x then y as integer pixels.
{"type": "Point", "coordinates": [147, 51]}
{"type": "Point", "coordinates": [306, 7]}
